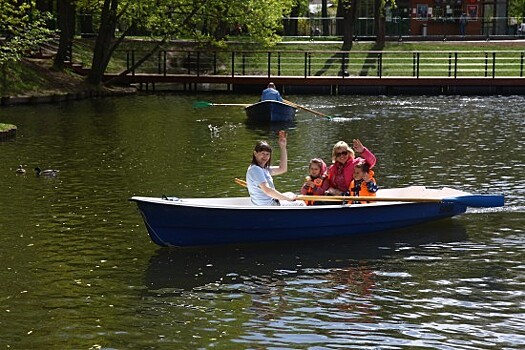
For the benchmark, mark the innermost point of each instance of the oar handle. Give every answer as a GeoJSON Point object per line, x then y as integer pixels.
{"type": "Point", "coordinates": [240, 182]}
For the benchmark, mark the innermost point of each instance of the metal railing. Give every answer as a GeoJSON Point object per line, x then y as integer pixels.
{"type": "Point", "coordinates": [454, 64]}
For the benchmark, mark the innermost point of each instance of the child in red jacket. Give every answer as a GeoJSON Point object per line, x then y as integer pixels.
{"type": "Point", "coordinates": [315, 182]}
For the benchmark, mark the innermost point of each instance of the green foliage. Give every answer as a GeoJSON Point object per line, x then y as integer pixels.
{"type": "Point", "coordinates": [22, 27]}
{"type": "Point", "coordinates": [202, 20]}
{"type": "Point", "coordinates": [517, 9]}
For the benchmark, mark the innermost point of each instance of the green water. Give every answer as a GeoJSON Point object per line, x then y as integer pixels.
{"type": "Point", "coordinates": [78, 271]}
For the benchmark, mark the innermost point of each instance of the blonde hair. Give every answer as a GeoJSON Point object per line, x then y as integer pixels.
{"type": "Point", "coordinates": [341, 144]}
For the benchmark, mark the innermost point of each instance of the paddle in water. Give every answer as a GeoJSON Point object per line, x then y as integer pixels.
{"type": "Point", "coordinates": [307, 109]}
{"type": "Point", "coordinates": [205, 104]}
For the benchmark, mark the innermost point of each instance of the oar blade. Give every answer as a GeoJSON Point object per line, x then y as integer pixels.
{"type": "Point", "coordinates": [202, 104]}
{"type": "Point", "coordinates": [478, 200]}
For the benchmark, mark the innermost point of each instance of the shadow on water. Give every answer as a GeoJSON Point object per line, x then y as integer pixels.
{"type": "Point", "coordinates": [189, 268]}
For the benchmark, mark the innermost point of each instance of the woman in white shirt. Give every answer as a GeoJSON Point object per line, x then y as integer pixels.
{"type": "Point", "coordinates": [259, 175]}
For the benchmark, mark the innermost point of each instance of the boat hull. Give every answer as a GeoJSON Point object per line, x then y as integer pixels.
{"type": "Point", "coordinates": [270, 111]}
{"type": "Point", "coordinates": [180, 223]}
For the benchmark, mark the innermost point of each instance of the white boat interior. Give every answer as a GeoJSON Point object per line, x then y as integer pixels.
{"type": "Point", "coordinates": [244, 202]}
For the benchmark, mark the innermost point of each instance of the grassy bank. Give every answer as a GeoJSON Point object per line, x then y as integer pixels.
{"type": "Point", "coordinates": [34, 77]}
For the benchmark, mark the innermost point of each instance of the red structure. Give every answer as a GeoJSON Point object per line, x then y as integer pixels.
{"type": "Point", "coordinates": [459, 17]}
{"type": "Point", "coordinates": [446, 17]}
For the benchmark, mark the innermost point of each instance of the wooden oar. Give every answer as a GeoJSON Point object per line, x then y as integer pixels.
{"type": "Point", "coordinates": [240, 182]}
{"type": "Point", "coordinates": [470, 200]}
{"type": "Point", "coordinates": [204, 104]}
{"type": "Point", "coordinates": [306, 109]}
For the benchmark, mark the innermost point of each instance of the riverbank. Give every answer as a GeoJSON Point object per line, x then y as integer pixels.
{"type": "Point", "coordinates": [33, 81]}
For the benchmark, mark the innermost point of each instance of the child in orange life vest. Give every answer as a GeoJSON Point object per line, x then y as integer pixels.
{"type": "Point", "coordinates": [363, 183]}
{"type": "Point", "coordinates": [315, 182]}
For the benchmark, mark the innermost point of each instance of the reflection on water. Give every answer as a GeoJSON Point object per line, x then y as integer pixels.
{"type": "Point", "coordinates": [186, 269]}
{"type": "Point", "coordinates": [78, 269]}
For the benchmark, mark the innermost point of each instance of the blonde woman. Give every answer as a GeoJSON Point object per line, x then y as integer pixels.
{"type": "Point", "coordinates": [341, 172]}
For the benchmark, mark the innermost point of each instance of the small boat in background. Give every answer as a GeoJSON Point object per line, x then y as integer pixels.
{"type": "Point", "coordinates": [172, 221]}
{"type": "Point", "coordinates": [270, 111]}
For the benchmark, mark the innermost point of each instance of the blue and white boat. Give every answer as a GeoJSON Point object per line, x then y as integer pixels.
{"type": "Point", "coordinates": [182, 222]}
{"type": "Point", "coordinates": [270, 111]}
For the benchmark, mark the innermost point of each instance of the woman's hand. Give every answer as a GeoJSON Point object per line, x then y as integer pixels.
{"type": "Point", "coordinates": [358, 146]}
{"type": "Point", "coordinates": [291, 197]}
{"type": "Point", "coordinates": [282, 139]}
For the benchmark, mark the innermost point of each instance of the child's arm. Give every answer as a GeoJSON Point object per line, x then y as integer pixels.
{"type": "Point", "coordinates": [372, 186]}
{"type": "Point", "coordinates": [320, 190]}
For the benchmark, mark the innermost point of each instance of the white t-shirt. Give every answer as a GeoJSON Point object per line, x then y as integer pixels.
{"type": "Point", "coordinates": [255, 175]}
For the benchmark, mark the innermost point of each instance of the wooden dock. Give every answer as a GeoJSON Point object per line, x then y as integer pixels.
{"type": "Point", "coordinates": [333, 84]}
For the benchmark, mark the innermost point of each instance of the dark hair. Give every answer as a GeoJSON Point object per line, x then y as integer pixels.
{"type": "Point", "coordinates": [363, 166]}
{"type": "Point", "coordinates": [259, 147]}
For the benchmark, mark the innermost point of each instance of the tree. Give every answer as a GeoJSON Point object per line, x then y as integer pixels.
{"type": "Point", "coordinates": [324, 15]}
{"type": "Point", "coordinates": [380, 22]}
{"type": "Point", "coordinates": [347, 9]}
{"type": "Point", "coordinates": [66, 26]}
{"type": "Point", "coordinates": [22, 28]}
{"type": "Point", "coordinates": [204, 20]}
{"type": "Point", "coordinates": [517, 10]}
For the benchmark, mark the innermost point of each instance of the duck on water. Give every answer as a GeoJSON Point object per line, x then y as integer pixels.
{"type": "Point", "coordinates": [46, 173]}
{"type": "Point", "coordinates": [20, 170]}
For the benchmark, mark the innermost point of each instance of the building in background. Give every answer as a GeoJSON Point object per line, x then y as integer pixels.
{"type": "Point", "coordinates": [445, 17]}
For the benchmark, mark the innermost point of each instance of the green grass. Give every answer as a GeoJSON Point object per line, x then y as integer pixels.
{"type": "Point", "coordinates": [6, 127]}
{"type": "Point", "coordinates": [325, 59]}
{"type": "Point", "coordinates": [35, 77]}
{"type": "Point", "coordinates": [20, 78]}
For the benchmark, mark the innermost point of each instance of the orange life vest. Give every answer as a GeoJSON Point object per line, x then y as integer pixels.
{"type": "Point", "coordinates": [310, 190]}
{"type": "Point", "coordinates": [363, 189]}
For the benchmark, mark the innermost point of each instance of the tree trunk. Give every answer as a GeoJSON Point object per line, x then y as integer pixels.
{"type": "Point", "coordinates": [339, 27]}
{"type": "Point", "coordinates": [44, 5]}
{"type": "Point", "coordinates": [380, 22]}
{"type": "Point", "coordinates": [66, 25]}
{"type": "Point", "coordinates": [349, 15]}
{"type": "Point", "coordinates": [324, 14]}
{"type": "Point", "coordinates": [290, 25]}
{"type": "Point", "coordinates": [118, 78]}
{"type": "Point", "coordinates": [103, 51]}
